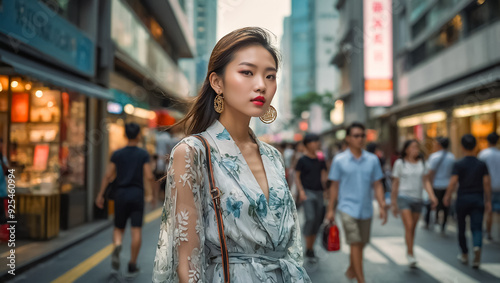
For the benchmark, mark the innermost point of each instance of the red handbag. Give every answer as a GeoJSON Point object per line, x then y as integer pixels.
{"type": "Point", "coordinates": [331, 237]}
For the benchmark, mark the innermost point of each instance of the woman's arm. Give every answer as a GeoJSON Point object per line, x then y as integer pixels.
{"type": "Point", "coordinates": [180, 253]}
{"type": "Point", "coordinates": [394, 196]}
{"type": "Point", "coordinates": [428, 188]}
{"type": "Point", "coordinates": [109, 176]}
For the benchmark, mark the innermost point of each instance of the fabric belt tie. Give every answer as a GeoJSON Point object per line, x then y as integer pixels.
{"type": "Point", "coordinates": [262, 263]}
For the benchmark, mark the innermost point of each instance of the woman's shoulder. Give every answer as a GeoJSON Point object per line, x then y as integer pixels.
{"type": "Point", "coordinates": [187, 144]}
{"type": "Point", "coordinates": [398, 162]}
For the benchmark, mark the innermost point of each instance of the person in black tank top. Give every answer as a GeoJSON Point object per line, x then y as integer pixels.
{"type": "Point", "coordinates": [131, 166]}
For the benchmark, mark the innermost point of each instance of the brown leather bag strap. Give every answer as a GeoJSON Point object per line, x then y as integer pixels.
{"type": "Point", "coordinates": [215, 192]}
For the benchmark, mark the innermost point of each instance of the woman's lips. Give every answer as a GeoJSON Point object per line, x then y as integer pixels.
{"type": "Point", "coordinates": [259, 100]}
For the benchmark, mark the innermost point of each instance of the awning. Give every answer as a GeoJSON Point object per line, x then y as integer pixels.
{"type": "Point", "coordinates": [125, 98]}
{"type": "Point", "coordinates": [54, 76]}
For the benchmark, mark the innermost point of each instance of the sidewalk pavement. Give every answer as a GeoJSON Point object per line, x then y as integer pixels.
{"type": "Point", "coordinates": [30, 253]}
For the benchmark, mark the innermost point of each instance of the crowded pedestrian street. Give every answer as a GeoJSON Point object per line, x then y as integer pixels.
{"type": "Point", "coordinates": [241, 141]}
{"type": "Point", "coordinates": [90, 261]}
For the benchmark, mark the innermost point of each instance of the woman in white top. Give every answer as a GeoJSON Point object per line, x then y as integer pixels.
{"type": "Point", "coordinates": [261, 228]}
{"type": "Point", "coordinates": [409, 181]}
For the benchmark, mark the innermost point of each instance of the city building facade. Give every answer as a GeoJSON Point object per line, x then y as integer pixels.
{"type": "Point", "coordinates": [71, 74]}
{"type": "Point", "coordinates": [446, 67]}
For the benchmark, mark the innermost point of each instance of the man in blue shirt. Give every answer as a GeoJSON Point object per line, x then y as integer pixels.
{"type": "Point", "coordinates": [491, 156]}
{"type": "Point", "coordinates": [354, 173]}
{"type": "Point", "coordinates": [439, 168]}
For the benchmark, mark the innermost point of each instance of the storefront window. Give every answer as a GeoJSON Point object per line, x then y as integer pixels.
{"type": "Point", "coordinates": [481, 127]}
{"type": "Point", "coordinates": [498, 123]}
{"type": "Point", "coordinates": [47, 137]}
{"type": "Point", "coordinates": [34, 136]}
{"type": "Point", "coordinates": [424, 128]}
{"type": "Point", "coordinates": [4, 100]}
{"type": "Point", "coordinates": [73, 148]}
{"type": "Point", "coordinates": [481, 13]}
{"type": "Point", "coordinates": [477, 119]}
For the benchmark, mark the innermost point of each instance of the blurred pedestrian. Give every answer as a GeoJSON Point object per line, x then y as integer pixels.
{"type": "Point", "coordinates": [473, 197]}
{"type": "Point", "coordinates": [439, 168]}
{"type": "Point", "coordinates": [355, 174]}
{"type": "Point", "coordinates": [229, 214]}
{"type": "Point", "coordinates": [491, 156]}
{"type": "Point", "coordinates": [310, 177]}
{"type": "Point", "coordinates": [298, 153]}
{"type": "Point", "coordinates": [409, 180]}
{"type": "Point", "coordinates": [129, 167]}
{"type": "Point", "coordinates": [374, 148]}
{"type": "Point", "coordinates": [342, 146]}
{"type": "Point", "coordinates": [165, 142]}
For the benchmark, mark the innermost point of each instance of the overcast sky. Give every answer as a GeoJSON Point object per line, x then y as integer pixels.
{"type": "Point", "coordinates": [234, 14]}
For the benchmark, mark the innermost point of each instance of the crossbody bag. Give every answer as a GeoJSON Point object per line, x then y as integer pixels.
{"type": "Point", "coordinates": [215, 193]}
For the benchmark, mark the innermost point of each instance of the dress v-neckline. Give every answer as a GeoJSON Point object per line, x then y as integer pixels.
{"type": "Point", "coordinates": [250, 169]}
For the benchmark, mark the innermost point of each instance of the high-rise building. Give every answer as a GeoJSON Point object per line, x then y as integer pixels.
{"type": "Point", "coordinates": [313, 32]}
{"type": "Point", "coordinates": [348, 57]}
{"type": "Point", "coordinates": [326, 23]}
{"type": "Point", "coordinates": [284, 98]}
{"type": "Point", "coordinates": [303, 47]}
{"type": "Point", "coordinates": [203, 20]}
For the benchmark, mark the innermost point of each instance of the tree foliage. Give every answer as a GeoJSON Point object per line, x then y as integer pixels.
{"type": "Point", "coordinates": [304, 102]}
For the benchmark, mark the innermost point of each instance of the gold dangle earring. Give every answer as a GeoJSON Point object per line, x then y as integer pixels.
{"type": "Point", "coordinates": [219, 103]}
{"type": "Point", "coordinates": [269, 116]}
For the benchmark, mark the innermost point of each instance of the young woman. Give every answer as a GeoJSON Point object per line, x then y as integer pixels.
{"type": "Point", "coordinates": [409, 180]}
{"type": "Point", "coordinates": [260, 220]}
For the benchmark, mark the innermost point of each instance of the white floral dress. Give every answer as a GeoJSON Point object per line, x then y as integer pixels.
{"type": "Point", "coordinates": [263, 238]}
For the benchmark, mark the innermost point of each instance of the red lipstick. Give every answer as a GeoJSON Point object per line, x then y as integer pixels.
{"type": "Point", "coordinates": [259, 100]}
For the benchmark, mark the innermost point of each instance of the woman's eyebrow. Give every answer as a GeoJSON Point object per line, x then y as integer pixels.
{"type": "Point", "coordinates": [255, 66]}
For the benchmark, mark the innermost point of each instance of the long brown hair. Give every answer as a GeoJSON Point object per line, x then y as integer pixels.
{"type": "Point", "coordinates": [202, 113]}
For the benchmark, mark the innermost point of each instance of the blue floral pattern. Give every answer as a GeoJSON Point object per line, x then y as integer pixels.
{"type": "Point", "coordinates": [263, 237]}
{"type": "Point", "coordinates": [234, 207]}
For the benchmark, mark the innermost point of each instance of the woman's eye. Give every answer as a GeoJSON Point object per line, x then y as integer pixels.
{"type": "Point", "coordinates": [272, 77]}
{"type": "Point", "coordinates": [248, 73]}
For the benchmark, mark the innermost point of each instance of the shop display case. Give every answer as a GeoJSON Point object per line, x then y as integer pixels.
{"type": "Point", "coordinates": [47, 149]}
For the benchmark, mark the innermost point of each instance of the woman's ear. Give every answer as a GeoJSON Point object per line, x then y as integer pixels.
{"type": "Point", "coordinates": [216, 83]}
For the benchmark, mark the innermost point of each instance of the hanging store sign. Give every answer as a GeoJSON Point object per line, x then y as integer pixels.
{"type": "Point", "coordinates": [35, 24]}
{"type": "Point", "coordinates": [378, 53]}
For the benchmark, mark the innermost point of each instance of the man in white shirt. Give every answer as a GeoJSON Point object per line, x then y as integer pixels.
{"type": "Point", "coordinates": [491, 156]}
{"type": "Point", "coordinates": [439, 168]}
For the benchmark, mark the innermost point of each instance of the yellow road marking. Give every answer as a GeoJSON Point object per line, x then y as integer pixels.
{"type": "Point", "coordinates": [84, 267]}
{"type": "Point", "coordinates": [153, 215]}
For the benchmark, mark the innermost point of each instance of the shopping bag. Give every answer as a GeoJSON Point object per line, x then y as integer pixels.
{"type": "Point", "coordinates": [331, 237]}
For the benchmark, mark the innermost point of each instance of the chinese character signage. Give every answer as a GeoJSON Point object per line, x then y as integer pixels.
{"type": "Point", "coordinates": [378, 52]}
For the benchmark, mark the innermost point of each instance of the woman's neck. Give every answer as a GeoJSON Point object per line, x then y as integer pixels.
{"type": "Point", "coordinates": [236, 124]}
{"type": "Point", "coordinates": [411, 159]}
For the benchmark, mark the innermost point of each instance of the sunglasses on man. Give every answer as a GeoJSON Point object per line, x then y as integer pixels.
{"type": "Point", "coordinates": [359, 136]}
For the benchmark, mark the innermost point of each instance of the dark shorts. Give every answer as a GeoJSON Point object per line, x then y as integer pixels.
{"type": "Point", "coordinates": [314, 211]}
{"type": "Point", "coordinates": [129, 203]}
{"type": "Point", "coordinates": [414, 205]}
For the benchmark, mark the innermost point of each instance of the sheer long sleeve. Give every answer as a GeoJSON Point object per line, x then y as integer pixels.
{"type": "Point", "coordinates": [180, 253]}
